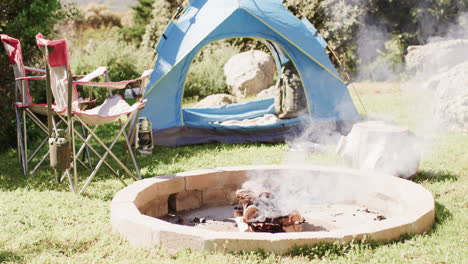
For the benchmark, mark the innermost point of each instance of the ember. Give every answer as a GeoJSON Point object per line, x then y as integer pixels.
{"type": "Point", "coordinates": [260, 213]}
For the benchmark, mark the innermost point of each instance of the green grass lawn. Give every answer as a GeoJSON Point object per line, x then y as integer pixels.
{"type": "Point", "coordinates": [41, 221]}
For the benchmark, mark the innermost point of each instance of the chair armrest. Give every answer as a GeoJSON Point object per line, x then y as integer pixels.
{"type": "Point", "coordinates": [96, 73]}
{"type": "Point", "coordinates": [113, 85]}
{"type": "Point", "coordinates": [31, 78]}
{"type": "Point", "coordinates": [32, 69]}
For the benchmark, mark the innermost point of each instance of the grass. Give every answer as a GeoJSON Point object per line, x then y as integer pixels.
{"type": "Point", "coordinates": [41, 221]}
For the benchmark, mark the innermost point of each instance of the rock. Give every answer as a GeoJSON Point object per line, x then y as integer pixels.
{"type": "Point", "coordinates": [443, 66]}
{"type": "Point", "coordinates": [267, 93]}
{"type": "Point", "coordinates": [451, 98]}
{"type": "Point", "coordinates": [250, 72]}
{"type": "Point", "coordinates": [382, 147]}
{"type": "Point", "coordinates": [437, 56]}
{"type": "Point", "coordinates": [216, 100]}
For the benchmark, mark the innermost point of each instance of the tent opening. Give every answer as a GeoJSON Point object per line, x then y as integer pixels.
{"type": "Point", "coordinates": [267, 92]}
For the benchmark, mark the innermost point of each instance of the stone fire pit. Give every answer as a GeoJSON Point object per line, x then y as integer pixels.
{"type": "Point", "coordinates": [345, 204]}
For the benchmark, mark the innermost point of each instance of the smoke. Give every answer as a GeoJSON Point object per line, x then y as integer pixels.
{"type": "Point", "coordinates": [298, 189]}
{"type": "Point", "coordinates": [371, 42]}
{"type": "Point", "coordinates": [434, 87]}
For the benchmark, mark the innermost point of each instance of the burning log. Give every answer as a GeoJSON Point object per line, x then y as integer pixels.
{"type": "Point", "coordinates": [251, 215]}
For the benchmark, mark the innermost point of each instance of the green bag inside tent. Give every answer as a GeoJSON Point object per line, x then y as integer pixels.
{"type": "Point", "coordinates": [290, 100]}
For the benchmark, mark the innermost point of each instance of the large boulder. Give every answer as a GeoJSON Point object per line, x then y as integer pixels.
{"type": "Point", "coordinates": [443, 66]}
{"type": "Point", "coordinates": [451, 97]}
{"type": "Point", "coordinates": [382, 147]}
{"type": "Point", "coordinates": [250, 72]}
{"type": "Point", "coordinates": [437, 56]}
{"type": "Point", "coordinates": [267, 93]}
{"type": "Point", "coordinates": [216, 100]}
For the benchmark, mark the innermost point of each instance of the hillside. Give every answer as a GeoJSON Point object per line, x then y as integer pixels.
{"type": "Point", "coordinates": [114, 5]}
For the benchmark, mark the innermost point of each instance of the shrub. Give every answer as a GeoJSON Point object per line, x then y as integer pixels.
{"type": "Point", "coordinates": [103, 48]}
{"type": "Point", "coordinates": [163, 10]}
{"type": "Point", "coordinates": [97, 16]}
{"type": "Point", "coordinates": [142, 13]}
{"type": "Point", "coordinates": [206, 74]}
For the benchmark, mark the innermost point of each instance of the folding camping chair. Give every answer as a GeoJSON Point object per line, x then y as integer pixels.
{"type": "Point", "coordinates": [25, 107]}
{"type": "Point", "coordinates": [64, 91]}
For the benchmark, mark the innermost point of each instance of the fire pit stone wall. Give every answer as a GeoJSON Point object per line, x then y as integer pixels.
{"type": "Point", "coordinates": [136, 211]}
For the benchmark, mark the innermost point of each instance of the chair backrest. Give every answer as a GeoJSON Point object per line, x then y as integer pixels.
{"type": "Point", "coordinates": [58, 62]}
{"type": "Point", "coordinates": [15, 56]}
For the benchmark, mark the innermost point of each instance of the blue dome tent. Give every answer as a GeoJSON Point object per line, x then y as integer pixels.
{"type": "Point", "coordinates": [288, 37]}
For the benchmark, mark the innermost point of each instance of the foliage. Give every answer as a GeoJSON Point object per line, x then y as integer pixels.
{"type": "Point", "coordinates": [103, 48]}
{"type": "Point", "coordinates": [206, 74]}
{"type": "Point", "coordinates": [23, 20]}
{"type": "Point", "coordinates": [142, 13]}
{"type": "Point", "coordinates": [347, 24]}
{"type": "Point", "coordinates": [98, 16]}
{"type": "Point", "coordinates": [163, 11]}
{"type": "Point", "coordinates": [338, 22]}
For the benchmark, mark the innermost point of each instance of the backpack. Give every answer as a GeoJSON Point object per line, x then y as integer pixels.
{"type": "Point", "coordinates": [290, 100]}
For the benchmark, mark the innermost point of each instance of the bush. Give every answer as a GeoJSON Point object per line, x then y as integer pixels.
{"type": "Point", "coordinates": [142, 13]}
{"type": "Point", "coordinates": [103, 48]}
{"type": "Point", "coordinates": [98, 16]}
{"type": "Point", "coordinates": [163, 10]}
{"type": "Point", "coordinates": [206, 74]}
{"type": "Point", "coordinates": [344, 24]}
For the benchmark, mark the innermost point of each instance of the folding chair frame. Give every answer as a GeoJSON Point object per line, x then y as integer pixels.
{"type": "Point", "coordinates": [23, 102]}
{"type": "Point", "coordinates": [71, 117]}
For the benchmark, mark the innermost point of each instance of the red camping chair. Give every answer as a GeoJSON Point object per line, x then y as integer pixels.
{"type": "Point", "coordinates": [25, 107]}
{"type": "Point", "coordinates": [67, 106]}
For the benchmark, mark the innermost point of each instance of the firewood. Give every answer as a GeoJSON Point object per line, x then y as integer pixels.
{"type": "Point", "coordinates": [288, 229]}
{"type": "Point", "coordinates": [238, 213]}
{"type": "Point", "coordinates": [296, 218]}
{"type": "Point", "coordinates": [245, 197]}
{"type": "Point", "coordinates": [250, 213]}
{"type": "Point", "coordinates": [265, 194]}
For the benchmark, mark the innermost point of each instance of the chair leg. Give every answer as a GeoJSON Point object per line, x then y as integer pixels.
{"type": "Point", "coordinates": [37, 121]}
{"type": "Point", "coordinates": [75, 173]}
{"type": "Point", "coordinates": [97, 154]}
{"type": "Point", "coordinates": [107, 149]}
{"type": "Point", "coordinates": [86, 141]}
{"type": "Point", "coordinates": [108, 152]}
{"type": "Point", "coordinates": [70, 180]}
{"type": "Point", "coordinates": [22, 148]}
{"type": "Point", "coordinates": [83, 131]}
{"type": "Point", "coordinates": [18, 141]}
{"type": "Point", "coordinates": [25, 139]}
{"type": "Point", "coordinates": [40, 162]}
{"type": "Point", "coordinates": [101, 161]}
{"type": "Point", "coordinates": [81, 148]}
{"type": "Point", "coordinates": [132, 155]}
{"type": "Point", "coordinates": [38, 148]}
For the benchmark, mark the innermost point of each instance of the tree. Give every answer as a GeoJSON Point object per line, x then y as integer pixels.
{"type": "Point", "coordinates": [163, 10]}
{"type": "Point", "coordinates": [142, 14]}
{"type": "Point", "coordinates": [22, 20]}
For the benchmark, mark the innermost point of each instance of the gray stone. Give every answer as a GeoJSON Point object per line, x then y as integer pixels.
{"type": "Point", "coordinates": [437, 56]}
{"type": "Point", "coordinates": [382, 147]}
{"type": "Point", "coordinates": [250, 72]}
{"type": "Point", "coordinates": [267, 93]}
{"type": "Point", "coordinates": [451, 97]}
{"type": "Point", "coordinates": [216, 100]}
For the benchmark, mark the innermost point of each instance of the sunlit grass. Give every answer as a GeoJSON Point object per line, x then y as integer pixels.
{"type": "Point", "coordinates": [41, 221]}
